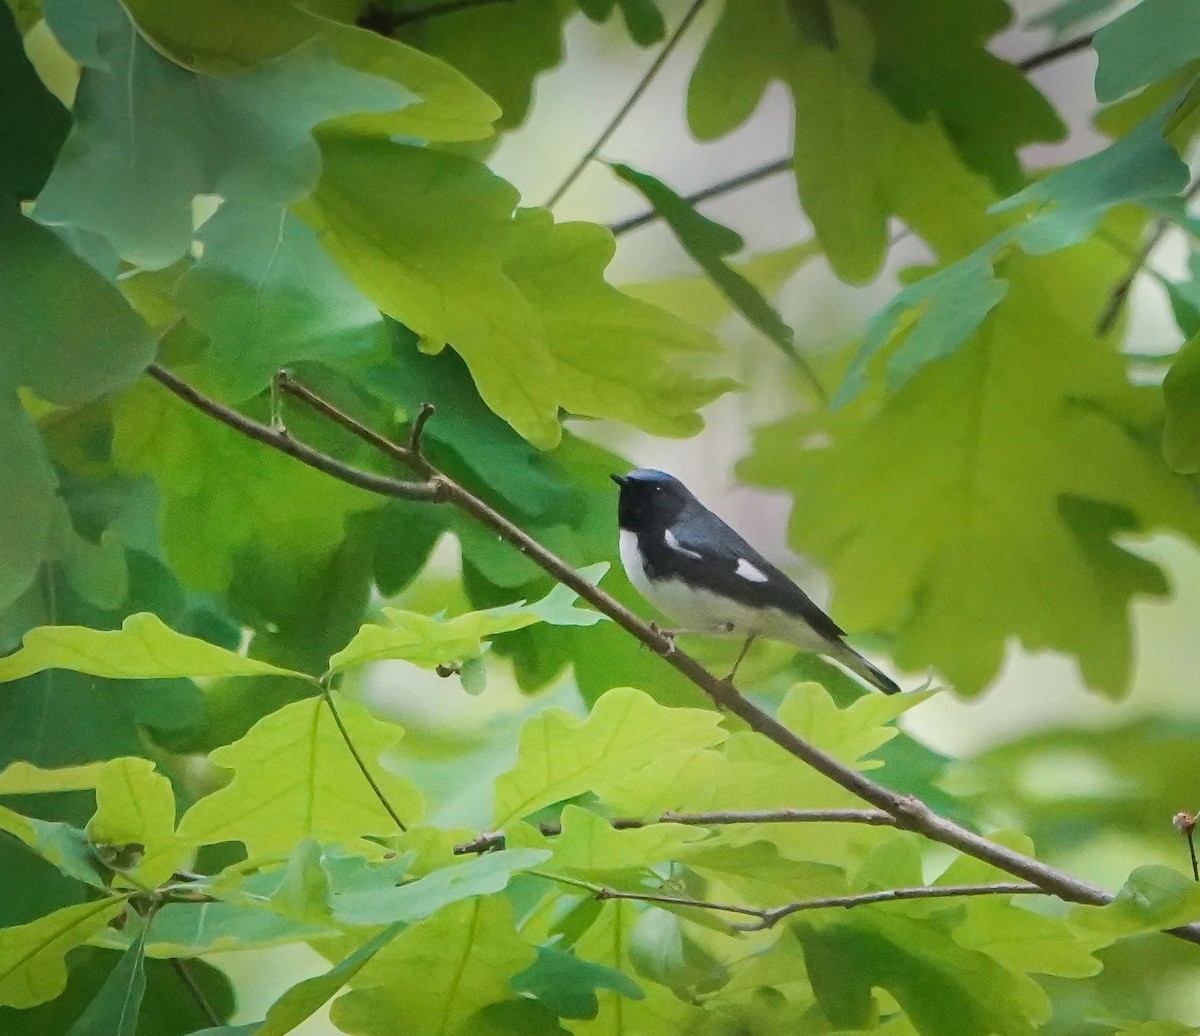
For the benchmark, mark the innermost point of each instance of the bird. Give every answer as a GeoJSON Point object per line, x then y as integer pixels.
{"type": "Point", "coordinates": [700, 573]}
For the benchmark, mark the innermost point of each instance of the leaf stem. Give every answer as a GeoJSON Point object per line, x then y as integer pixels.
{"type": "Point", "coordinates": [627, 107]}
{"type": "Point", "coordinates": [197, 994]}
{"type": "Point", "coordinates": [908, 812]}
{"type": "Point", "coordinates": [327, 695]}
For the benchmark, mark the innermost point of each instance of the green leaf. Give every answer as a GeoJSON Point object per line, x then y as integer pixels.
{"type": "Point", "coordinates": [1139, 167]}
{"type": "Point", "coordinates": [144, 648]}
{"type": "Point", "coordinates": [117, 1007]}
{"type": "Point", "coordinates": [295, 778]}
{"type": "Point", "coordinates": [61, 844]}
{"type": "Point", "coordinates": [627, 739]}
{"type": "Point", "coordinates": [429, 642]}
{"type": "Point", "coordinates": [227, 36]}
{"type": "Point", "coordinates": [253, 144]}
{"type": "Point", "coordinates": [198, 929]}
{"type": "Point", "coordinates": [567, 985]}
{"type": "Point", "coordinates": [302, 1000]}
{"type": "Point", "coordinates": [944, 989]}
{"type": "Point", "coordinates": [659, 1013]}
{"type": "Point", "coordinates": [588, 843]}
{"type": "Point", "coordinates": [1065, 14]}
{"type": "Point", "coordinates": [1153, 898]}
{"type": "Point", "coordinates": [708, 243]}
{"type": "Point", "coordinates": [263, 278]}
{"type": "Point", "coordinates": [523, 301]}
{"type": "Point", "coordinates": [33, 124]}
{"type": "Point", "coordinates": [464, 955]}
{"type": "Point", "coordinates": [32, 968]}
{"type": "Point", "coordinates": [526, 32]}
{"type": "Point", "coordinates": [882, 124]}
{"type": "Point", "coordinates": [66, 355]}
{"type": "Point", "coordinates": [135, 805]}
{"type": "Point", "coordinates": [365, 903]}
{"type": "Point", "coordinates": [220, 493]}
{"type": "Point", "coordinates": [642, 17]}
{"type": "Point", "coordinates": [932, 318]}
{"type": "Point", "coordinates": [21, 778]}
{"type": "Point", "coordinates": [1181, 392]}
{"type": "Point", "coordinates": [1145, 44]}
{"type": "Point", "coordinates": [951, 479]}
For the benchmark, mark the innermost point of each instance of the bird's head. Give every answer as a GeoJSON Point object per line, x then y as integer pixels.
{"type": "Point", "coordinates": [650, 499]}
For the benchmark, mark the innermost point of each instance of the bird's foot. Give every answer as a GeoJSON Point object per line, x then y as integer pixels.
{"type": "Point", "coordinates": [667, 635]}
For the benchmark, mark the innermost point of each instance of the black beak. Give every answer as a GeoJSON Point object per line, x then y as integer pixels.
{"type": "Point", "coordinates": [618, 479]}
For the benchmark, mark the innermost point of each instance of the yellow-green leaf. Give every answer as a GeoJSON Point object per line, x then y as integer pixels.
{"type": "Point", "coordinates": [459, 960]}
{"type": "Point", "coordinates": [627, 740]}
{"type": "Point", "coordinates": [134, 804]}
{"type": "Point", "coordinates": [443, 250]}
{"type": "Point", "coordinates": [295, 778]}
{"type": "Point", "coordinates": [32, 965]}
{"type": "Point", "coordinates": [143, 648]}
{"type": "Point", "coordinates": [429, 642]}
{"type": "Point", "coordinates": [22, 778]}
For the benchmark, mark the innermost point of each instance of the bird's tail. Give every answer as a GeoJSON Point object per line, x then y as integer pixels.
{"type": "Point", "coordinates": [858, 665]}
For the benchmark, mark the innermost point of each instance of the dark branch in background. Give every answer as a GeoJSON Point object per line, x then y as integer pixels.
{"type": "Point", "coordinates": [1120, 291]}
{"type": "Point", "coordinates": [627, 107]}
{"type": "Point", "coordinates": [196, 993]}
{"type": "Point", "coordinates": [908, 812]}
{"type": "Point", "coordinates": [495, 839]}
{"type": "Point", "coordinates": [362, 765]}
{"type": "Point", "coordinates": [768, 917]}
{"type": "Point", "coordinates": [1029, 64]}
{"type": "Point", "coordinates": [763, 172]}
{"type": "Point", "coordinates": [1059, 50]}
{"type": "Point", "coordinates": [384, 19]}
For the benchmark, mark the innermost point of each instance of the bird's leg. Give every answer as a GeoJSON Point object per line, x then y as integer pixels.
{"type": "Point", "coordinates": [742, 654]}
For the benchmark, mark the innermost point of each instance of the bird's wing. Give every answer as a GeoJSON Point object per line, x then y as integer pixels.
{"type": "Point", "coordinates": [703, 549]}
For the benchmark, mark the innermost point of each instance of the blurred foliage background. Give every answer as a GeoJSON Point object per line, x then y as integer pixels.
{"type": "Point", "coordinates": [927, 337]}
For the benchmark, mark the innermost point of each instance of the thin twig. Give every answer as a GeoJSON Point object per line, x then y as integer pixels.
{"type": "Point", "coordinates": [650, 897]}
{"type": "Point", "coordinates": [1120, 292]}
{"type": "Point", "coordinates": [909, 812]}
{"type": "Point", "coordinates": [384, 445]}
{"type": "Point", "coordinates": [197, 994]}
{"type": "Point", "coordinates": [627, 107]}
{"type": "Point", "coordinates": [362, 765]}
{"type": "Point", "coordinates": [768, 917]}
{"type": "Point", "coordinates": [282, 441]}
{"type": "Point", "coordinates": [418, 426]}
{"type": "Point", "coordinates": [1001, 888]}
{"type": "Point", "coordinates": [490, 840]}
{"type": "Point", "coordinates": [1185, 824]}
{"type": "Point", "coordinates": [1059, 50]}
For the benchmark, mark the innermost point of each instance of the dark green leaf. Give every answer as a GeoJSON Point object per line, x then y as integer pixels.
{"type": "Point", "coordinates": [117, 1007]}
{"type": "Point", "coordinates": [1145, 44]}
{"type": "Point", "coordinates": [709, 244]}
{"type": "Point", "coordinates": [567, 985]}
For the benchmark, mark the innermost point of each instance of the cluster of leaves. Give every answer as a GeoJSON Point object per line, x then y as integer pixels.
{"type": "Point", "coordinates": [231, 188]}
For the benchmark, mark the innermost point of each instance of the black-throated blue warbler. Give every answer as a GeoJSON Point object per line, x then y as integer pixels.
{"type": "Point", "coordinates": [700, 573]}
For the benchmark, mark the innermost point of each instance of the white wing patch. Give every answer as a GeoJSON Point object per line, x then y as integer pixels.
{"type": "Point", "coordinates": [748, 572]}
{"type": "Point", "coordinates": [676, 546]}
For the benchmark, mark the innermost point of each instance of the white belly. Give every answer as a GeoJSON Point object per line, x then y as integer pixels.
{"type": "Point", "coordinates": [702, 611]}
